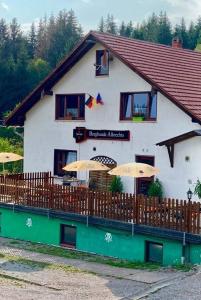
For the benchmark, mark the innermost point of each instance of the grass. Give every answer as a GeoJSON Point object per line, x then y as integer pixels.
{"type": "Point", "coordinates": [183, 268]}
{"type": "Point", "coordinates": [72, 254]}
{"type": "Point", "coordinates": [41, 265]}
{"type": "Point", "coordinates": [14, 242]}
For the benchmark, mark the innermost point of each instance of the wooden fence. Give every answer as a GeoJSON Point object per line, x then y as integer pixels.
{"type": "Point", "coordinates": [38, 190]}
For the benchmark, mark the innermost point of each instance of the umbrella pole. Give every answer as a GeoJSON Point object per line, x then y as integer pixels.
{"type": "Point", "coordinates": [132, 224]}
{"type": "Point", "coordinates": [135, 187]}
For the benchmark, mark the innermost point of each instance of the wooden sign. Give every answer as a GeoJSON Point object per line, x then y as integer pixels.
{"type": "Point", "coordinates": [81, 134]}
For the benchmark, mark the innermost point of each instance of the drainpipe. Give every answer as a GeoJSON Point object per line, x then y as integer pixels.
{"type": "Point", "coordinates": [183, 249]}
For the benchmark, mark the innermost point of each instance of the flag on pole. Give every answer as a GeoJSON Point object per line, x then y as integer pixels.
{"type": "Point", "coordinates": [91, 102]}
{"type": "Point", "coordinates": [99, 99]}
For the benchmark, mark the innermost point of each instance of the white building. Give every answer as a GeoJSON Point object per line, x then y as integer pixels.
{"type": "Point", "coordinates": [161, 84]}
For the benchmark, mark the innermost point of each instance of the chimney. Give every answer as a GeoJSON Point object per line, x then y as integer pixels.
{"type": "Point", "coordinates": [176, 42]}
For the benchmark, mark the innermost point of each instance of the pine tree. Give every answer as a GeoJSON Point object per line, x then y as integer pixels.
{"type": "Point", "coordinates": [111, 26]}
{"type": "Point", "coordinates": [150, 29]}
{"type": "Point", "coordinates": [101, 26]}
{"type": "Point", "coordinates": [3, 32]}
{"type": "Point", "coordinates": [192, 38]}
{"type": "Point", "coordinates": [122, 29]}
{"type": "Point", "coordinates": [41, 40]}
{"type": "Point", "coordinates": [129, 30]}
{"type": "Point", "coordinates": [32, 41]}
{"type": "Point", "coordinates": [164, 29]}
{"type": "Point", "coordinates": [181, 32]}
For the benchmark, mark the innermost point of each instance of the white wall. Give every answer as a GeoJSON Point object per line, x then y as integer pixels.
{"type": "Point", "coordinates": [43, 134]}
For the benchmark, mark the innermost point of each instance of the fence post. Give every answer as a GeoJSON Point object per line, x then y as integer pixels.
{"type": "Point", "coordinates": [90, 197]}
{"type": "Point", "coordinates": [136, 209]}
{"type": "Point", "coordinates": [16, 192]}
{"type": "Point", "coordinates": [51, 198]}
{"type": "Point", "coordinates": [189, 216]}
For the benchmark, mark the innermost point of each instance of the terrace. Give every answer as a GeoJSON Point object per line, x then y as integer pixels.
{"type": "Point", "coordinates": [38, 190]}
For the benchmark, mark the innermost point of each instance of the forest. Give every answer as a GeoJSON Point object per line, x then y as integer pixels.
{"type": "Point", "coordinates": [26, 58]}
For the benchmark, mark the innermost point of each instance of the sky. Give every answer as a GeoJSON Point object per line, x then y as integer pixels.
{"type": "Point", "coordinates": [89, 12]}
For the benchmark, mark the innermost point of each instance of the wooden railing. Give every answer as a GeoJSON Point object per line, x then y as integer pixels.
{"type": "Point", "coordinates": [38, 190]}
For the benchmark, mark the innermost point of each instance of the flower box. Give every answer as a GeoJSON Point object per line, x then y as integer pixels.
{"type": "Point", "coordinates": [138, 119]}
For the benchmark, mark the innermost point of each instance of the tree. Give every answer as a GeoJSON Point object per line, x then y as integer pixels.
{"type": "Point", "coordinates": [41, 40]}
{"type": "Point", "coordinates": [37, 70]}
{"type": "Point", "coordinates": [32, 41]}
{"type": "Point", "coordinates": [122, 29]}
{"type": "Point", "coordinates": [129, 30]}
{"type": "Point", "coordinates": [3, 32]}
{"type": "Point", "coordinates": [110, 25]}
{"type": "Point", "coordinates": [164, 29]}
{"type": "Point", "coordinates": [150, 29]}
{"type": "Point", "coordinates": [181, 32]}
{"type": "Point", "coordinates": [192, 38]}
{"type": "Point", "coordinates": [101, 26]}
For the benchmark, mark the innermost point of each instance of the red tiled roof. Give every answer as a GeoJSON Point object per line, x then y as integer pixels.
{"type": "Point", "coordinates": [174, 72]}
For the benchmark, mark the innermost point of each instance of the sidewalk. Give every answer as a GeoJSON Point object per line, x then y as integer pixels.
{"type": "Point", "coordinates": [143, 276]}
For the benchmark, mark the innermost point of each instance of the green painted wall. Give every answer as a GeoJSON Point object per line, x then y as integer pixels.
{"type": "Point", "coordinates": [91, 239]}
{"type": "Point", "coordinates": [195, 254]}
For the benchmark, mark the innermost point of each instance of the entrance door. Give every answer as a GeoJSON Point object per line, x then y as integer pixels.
{"type": "Point", "coordinates": [142, 184]}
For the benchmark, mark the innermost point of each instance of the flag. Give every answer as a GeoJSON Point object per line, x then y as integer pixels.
{"type": "Point", "coordinates": [99, 99]}
{"type": "Point", "coordinates": [89, 102]}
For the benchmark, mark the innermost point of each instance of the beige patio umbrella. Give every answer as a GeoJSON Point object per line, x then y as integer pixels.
{"type": "Point", "coordinates": [85, 165]}
{"type": "Point", "coordinates": [9, 157]}
{"type": "Point", "coordinates": [135, 170]}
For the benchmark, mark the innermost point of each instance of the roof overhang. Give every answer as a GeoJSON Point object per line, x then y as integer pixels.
{"type": "Point", "coordinates": [170, 143]}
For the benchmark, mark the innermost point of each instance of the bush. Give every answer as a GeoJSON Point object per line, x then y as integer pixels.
{"type": "Point", "coordinates": [155, 189]}
{"type": "Point", "coordinates": [116, 185]}
{"type": "Point", "coordinates": [197, 190]}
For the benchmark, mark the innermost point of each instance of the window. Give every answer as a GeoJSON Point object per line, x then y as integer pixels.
{"type": "Point", "coordinates": [68, 235]}
{"type": "Point", "coordinates": [62, 158]}
{"type": "Point", "coordinates": [142, 105]}
{"type": "Point", "coordinates": [102, 62]}
{"type": "Point", "coordinates": [70, 107]}
{"type": "Point", "coordinates": [154, 252]}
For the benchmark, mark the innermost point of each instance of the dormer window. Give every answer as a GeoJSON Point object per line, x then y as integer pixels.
{"type": "Point", "coordinates": [102, 62]}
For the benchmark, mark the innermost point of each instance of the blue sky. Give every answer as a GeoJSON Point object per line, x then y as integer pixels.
{"type": "Point", "coordinates": [89, 12]}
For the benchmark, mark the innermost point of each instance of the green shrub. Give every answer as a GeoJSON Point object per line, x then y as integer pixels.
{"type": "Point", "coordinates": [155, 189]}
{"type": "Point", "coordinates": [116, 185]}
{"type": "Point", "coordinates": [197, 190]}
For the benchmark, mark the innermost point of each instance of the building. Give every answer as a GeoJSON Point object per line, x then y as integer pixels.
{"type": "Point", "coordinates": [149, 110]}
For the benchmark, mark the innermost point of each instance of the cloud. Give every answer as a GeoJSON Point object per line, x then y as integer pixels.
{"type": "Point", "coordinates": [189, 9]}
{"type": "Point", "coordinates": [86, 1]}
{"type": "Point", "coordinates": [4, 6]}
{"type": "Point", "coordinates": [27, 26]}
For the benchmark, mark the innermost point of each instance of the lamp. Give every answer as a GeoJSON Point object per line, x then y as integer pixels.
{"type": "Point", "coordinates": [189, 194]}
